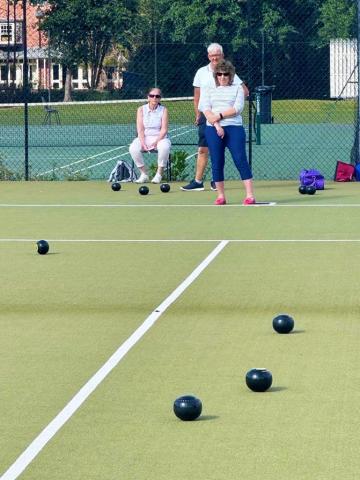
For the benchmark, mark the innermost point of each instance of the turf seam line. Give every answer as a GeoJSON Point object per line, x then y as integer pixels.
{"type": "Point", "coordinates": [35, 447]}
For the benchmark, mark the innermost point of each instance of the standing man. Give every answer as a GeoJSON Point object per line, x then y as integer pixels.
{"type": "Point", "coordinates": [204, 78]}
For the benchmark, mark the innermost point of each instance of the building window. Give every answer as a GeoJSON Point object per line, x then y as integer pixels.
{"type": "Point", "coordinates": [75, 73]}
{"type": "Point", "coordinates": [56, 73]}
{"type": "Point", "coordinates": [110, 73]}
{"type": "Point", "coordinates": [12, 72]}
{"type": "Point", "coordinates": [4, 71]}
{"type": "Point", "coordinates": [32, 70]}
{"type": "Point", "coordinates": [6, 32]}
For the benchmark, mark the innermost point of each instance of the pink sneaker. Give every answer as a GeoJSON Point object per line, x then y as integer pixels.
{"type": "Point", "coordinates": [249, 201]}
{"type": "Point", "coordinates": [220, 201]}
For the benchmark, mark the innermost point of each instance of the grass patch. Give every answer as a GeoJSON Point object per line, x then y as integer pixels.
{"type": "Point", "coordinates": [181, 112]}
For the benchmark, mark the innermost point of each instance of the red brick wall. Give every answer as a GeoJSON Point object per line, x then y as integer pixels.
{"type": "Point", "coordinates": [32, 21]}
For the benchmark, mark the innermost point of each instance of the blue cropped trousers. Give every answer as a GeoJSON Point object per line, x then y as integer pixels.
{"type": "Point", "coordinates": [234, 139]}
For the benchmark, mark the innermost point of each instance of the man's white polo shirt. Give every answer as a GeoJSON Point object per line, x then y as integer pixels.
{"type": "Point", "coordinates": [204, 78]}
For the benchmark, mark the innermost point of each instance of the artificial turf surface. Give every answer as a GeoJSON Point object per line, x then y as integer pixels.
{"type": "Point", "coordinates": [63, 314]}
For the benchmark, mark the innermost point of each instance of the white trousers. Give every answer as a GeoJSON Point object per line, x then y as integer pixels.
{"type": "Point", "coordinates": [163, 149]}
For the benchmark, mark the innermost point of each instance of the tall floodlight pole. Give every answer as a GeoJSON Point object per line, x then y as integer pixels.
{"type": "Point", "coordinates": [25, 91]}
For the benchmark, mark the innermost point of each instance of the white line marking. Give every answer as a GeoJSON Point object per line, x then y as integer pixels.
{"type": "Point", "coordinates": [103, 161]}
{"type": "Point", "coordinates": [91, 102]}
{"type": "Point", "coordinates": [101, 154]}
{"type": "Point", "coordinates": [117, 205]}
{"type": "Point", "coordinates": [82, 160]}
{"type": "Point", "coordinates": [178, 205]}
{"type": "Point", "coordinates": [127, 153]}
{"type": "Point", "coordinates": [176, 240]}
{"type": "Point", "coordinates": [66, 413]}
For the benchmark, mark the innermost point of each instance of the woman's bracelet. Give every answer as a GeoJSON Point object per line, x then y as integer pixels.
{"type": "Point", "coordinates": [221, 116]}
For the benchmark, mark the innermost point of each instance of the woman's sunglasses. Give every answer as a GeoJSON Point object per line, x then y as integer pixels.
{"type": "Point", "coordinates": [153, 95]}
{"type": "Point", "coordinates": [222, 74]}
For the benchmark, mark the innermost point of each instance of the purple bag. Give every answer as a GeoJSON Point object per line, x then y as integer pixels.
{"type": "Point", "coordinates": [312, 177]}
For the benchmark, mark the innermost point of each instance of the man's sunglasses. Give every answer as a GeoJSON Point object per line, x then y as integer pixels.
{"type": "Point", "coordinates": [153, 95]}
{"type": "Point", "coordinates": [222, 74]}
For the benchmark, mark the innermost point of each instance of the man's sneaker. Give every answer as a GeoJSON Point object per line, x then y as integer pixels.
{"type": "Point", "coordinates": [213, 186]}
{"type": "Point", "coordinates": [249, 201]}
{"type": "Point", "coordinates": [193, 186]}
{"type": "Point", "coordinates": [142, 179]}
{"type": "Point", "coordinates": [157, 178]}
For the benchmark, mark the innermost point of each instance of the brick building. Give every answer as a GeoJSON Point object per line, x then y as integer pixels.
{"type": "Point", "coordinates": [44, 71]}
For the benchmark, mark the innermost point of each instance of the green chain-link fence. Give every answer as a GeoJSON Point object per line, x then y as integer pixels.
{"type": "Point", "coordinates": [293, 118]}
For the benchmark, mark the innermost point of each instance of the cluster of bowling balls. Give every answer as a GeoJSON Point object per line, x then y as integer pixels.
{"type": "Point", "coordinates": [143, 190]}
{"type": "Point", "coordinates": [189, 407]}
{"type": "Point", "coordinates": [307, 189]}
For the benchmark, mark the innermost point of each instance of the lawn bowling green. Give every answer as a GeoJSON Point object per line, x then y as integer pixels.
{"type": "Point", "coordinates": [178, 297]}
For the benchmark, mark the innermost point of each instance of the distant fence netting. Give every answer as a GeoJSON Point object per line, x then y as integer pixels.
{"type": "Point", "coordinates": [85, 139]}
{"type": "Point", "coordinates": [298, 59]}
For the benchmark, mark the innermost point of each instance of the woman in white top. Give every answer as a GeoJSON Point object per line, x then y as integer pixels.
{"type": "Point", "coordinates": [222, 108]}
{"type": "Point", "coordinates": [152, 128]}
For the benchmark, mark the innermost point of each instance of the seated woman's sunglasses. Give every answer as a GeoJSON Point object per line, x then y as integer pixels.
{"type": "Point", "coordinates": [222, 74]}
{"type": "Point", "coordinates": [152, 95]}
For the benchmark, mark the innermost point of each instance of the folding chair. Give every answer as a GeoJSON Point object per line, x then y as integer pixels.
{"type": "Point", "coordinates": [49, 111]}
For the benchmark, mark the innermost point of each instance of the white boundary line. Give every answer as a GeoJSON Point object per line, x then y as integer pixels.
{"type": "Point", "coordinates": [22, 462]}
{"type": "Point", "coordinates": [92, 102]}
{"type": "Point", "coordinates": [126, 153]}
{"type": "Point", "coordinates": [117, 205]}
{"type": "Point", "coordinates": [175, 240]}
{"type": "Point", "coordinates": [83, 160]}
{"type": "Point", "coordinates": [101, 154]}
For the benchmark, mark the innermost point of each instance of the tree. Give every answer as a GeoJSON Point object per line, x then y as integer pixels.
{"type": "Point", "coordinates": [338, 19]}
{"type": "Point", "coordinates": [84, 32]}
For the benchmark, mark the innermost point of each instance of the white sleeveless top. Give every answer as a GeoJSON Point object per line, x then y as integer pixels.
{"type": "Point", "coordinates": [152, 120]}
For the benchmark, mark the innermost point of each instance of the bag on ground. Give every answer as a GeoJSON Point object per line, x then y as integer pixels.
{"type": "Point", "coordinates": [344, 172]}
{"type": "Point", "coordinates": [122, 172]}
{"type": "Point", "coordinates": [312, 177]}
{"type": "Point", "coordinates": [357, 172]}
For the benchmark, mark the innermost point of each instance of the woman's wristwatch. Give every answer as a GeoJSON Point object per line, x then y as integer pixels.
{"type": "Point", "coordinates": [221, 116]}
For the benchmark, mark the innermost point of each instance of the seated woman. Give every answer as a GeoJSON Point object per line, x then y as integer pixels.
{"type": "Point", "coordinates": [222, 108]}
{"type": "Point", "coordinates": [152, 129]}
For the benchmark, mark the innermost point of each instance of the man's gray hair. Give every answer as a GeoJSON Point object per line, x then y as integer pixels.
{"type": "Point", "coordinates": [215, 47]}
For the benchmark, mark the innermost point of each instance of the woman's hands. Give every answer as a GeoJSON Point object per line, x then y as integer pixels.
{"type": "Point", "coordinates": [219, 130]}
{"type": "Point", "coordinates": [148, 148]}
{"type": "Point", "coordinates": [212, 117]}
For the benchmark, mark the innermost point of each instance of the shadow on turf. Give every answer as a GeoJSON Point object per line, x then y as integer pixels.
{"type": "Point", "coordinates": [277, 389]}
{"type": "Point", "coordinates": [207, 417]}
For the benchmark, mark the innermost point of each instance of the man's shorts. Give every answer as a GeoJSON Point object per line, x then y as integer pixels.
{"type": "Point", "coordinates": [201, 131]}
